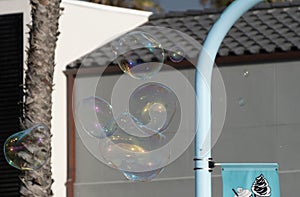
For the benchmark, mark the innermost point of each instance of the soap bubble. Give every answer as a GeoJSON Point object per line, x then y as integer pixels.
{"type": "Point", "coordinates": [176, 54]}
{"type": "Point", "coordinates": [246, 73]}
{"type": "Point", "coordinates": [130, 124]}
{"type": "Point", "coordinates": [26, 149]}
{"type": "Point", "coordinates": [153, 105]}
{"type": "Point", "coordinates": [142, 176]}
{"type": "Point", "coordinates": [242, 102]}
{"type": "Point", "coordinates": [94, 114]}
{"type": "Point", "coordinates": [139, 54]}
{"type": "Point", "coordinates": [138, 158]}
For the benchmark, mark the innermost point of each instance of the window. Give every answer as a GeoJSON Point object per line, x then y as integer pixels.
{"type": "Point", "coordinates": [11, 94]}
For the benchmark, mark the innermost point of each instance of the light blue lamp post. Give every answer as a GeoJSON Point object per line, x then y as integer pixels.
{"type": "Point", "coordinates": [203, 84]}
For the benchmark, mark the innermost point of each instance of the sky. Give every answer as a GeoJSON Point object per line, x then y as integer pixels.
{"type": "Point", "coordinates": [179, 5]}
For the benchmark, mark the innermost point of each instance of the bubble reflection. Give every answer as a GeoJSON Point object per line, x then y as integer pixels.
{"type": "Point", "coordinates": [176, 54]}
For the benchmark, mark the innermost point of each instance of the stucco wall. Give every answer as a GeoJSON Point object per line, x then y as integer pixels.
{"type": "Point", "coordinates": [262, 125]}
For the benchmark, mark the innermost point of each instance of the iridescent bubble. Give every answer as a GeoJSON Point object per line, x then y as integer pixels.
{"type": "Point", "coordinates": [180, 132]}
{"type": "Point", "coordinates": [26, 149]}
{"type": "Point", "coordinates": [138, 158]}
{"type": "Point", "coordinates": [153, 105]}
{"type": "Point", "coordinates": [94, 115]}
{"type": "Point", "coordinates": [176, 54]}
{"type": "Point", "coordinates": [131, 125]}
{"type": "Point", "coordinates": [139, 54]}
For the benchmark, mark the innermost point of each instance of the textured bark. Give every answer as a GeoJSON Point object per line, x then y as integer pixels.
{"type": "Point", "coordinates": [38, 87]}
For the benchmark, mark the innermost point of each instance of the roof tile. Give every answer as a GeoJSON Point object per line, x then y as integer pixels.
{"type": "Point", "coordinates": [267, 28]}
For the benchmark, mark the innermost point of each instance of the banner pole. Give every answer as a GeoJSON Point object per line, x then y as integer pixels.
{"type": "Point", "coordinates": [203, 100]}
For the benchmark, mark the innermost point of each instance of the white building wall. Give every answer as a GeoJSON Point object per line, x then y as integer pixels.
{"type": "Point", "coordinates": [84, 27]}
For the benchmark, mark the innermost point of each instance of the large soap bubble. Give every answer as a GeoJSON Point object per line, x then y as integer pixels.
{"type": "Point", "coordinates": [139, 158]}
{"type": "Point", "coordinates": [94, 114]}
{"type": "Point", "coordinates": [139, 54]}
{"type": "Point", "coordinates": [130, 124]}
{"type": "Point", "coordinates": [153, 105]}
{"type": "Point", "coordinates": [26, 150]}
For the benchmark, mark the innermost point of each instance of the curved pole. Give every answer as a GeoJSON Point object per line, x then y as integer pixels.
{"type": "Point", "coordinates": [203, 85]}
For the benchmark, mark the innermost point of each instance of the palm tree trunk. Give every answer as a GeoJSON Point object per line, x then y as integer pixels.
{"type": "Point", "coordinates": [38, 87]}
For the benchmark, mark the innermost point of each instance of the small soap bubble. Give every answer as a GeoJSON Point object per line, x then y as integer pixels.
{"type": "Point", "coordinates": [26, 149]}
{"type": "Point", "coordinates": [176, 54]}
{"type": "Point", "coordinates": [94, 115]}
{"type": "Point", "coordinates": [245, 73]}
{"type": "Point", "coordinates": [139, 54]}
{"type": "Point", "coordinates": [242, 102]}
{"type": "Point", "coordinates": [153, 105]}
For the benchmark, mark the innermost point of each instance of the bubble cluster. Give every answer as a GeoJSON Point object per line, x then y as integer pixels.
{"type": "Point", "coordinates": [139, 54]}
{"type": "Point", "coordinates": [151, 114]}
{"type": "Point", "coordinates": [94, 114]}
{"type": "Point", "coordinates": [26, 150]}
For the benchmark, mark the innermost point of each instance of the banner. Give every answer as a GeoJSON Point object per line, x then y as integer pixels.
{"type": "Point", "coordinates": [250, 180]}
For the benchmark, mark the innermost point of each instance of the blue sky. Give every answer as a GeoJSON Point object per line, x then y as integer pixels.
{"type": "Point", "coordinates": [179, 5]}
